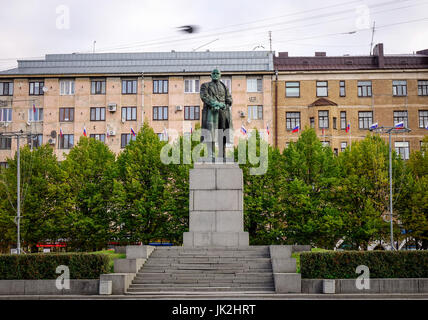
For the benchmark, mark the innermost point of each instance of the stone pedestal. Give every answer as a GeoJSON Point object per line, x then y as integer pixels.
{"type": "Point", "coordinates": [216, 206]}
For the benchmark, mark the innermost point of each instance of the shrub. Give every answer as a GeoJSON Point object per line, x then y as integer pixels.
{"type": "Point", "coordinates": [382, 264]}
{"type": "Point", "coordinates": [43, 266]}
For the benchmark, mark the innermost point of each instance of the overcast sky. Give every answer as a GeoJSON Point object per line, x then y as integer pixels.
{"type": "Point", "coordinates": [32, 28]}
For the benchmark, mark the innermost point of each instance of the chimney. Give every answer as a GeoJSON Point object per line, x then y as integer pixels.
{"type": "Point", "coordinates": [320, 54]}
{"type": "Point", "coordinates": [282, 54]}
{"type": "Point", "coordinates": [378, 52]}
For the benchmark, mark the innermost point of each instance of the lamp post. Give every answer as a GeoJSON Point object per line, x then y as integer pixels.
{"type": "Point", "coordinates": [389, 130]}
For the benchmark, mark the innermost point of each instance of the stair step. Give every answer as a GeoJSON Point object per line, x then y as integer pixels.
{"type": "Point", "coordinates": [201, 289]}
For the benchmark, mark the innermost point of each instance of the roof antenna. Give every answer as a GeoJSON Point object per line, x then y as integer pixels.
{"type": "Point", "coordinates": [371, 43]}
{"type": "Point", "coordinates": [93, 48]}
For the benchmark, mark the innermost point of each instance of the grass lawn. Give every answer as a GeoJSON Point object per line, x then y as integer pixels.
{"type": "Point", "coordinates": [296, 255]}
{"type": "Point", "coordinates": [112, 256]}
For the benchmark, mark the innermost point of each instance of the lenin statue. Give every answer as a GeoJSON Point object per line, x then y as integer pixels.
{"type": "Point", "coordinates": [216, 116]}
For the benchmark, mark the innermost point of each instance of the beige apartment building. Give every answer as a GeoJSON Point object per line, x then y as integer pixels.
{"type": "Point", "coordinates": [109, 94]}
{"type": "Point", "coordinates": [330, 93]}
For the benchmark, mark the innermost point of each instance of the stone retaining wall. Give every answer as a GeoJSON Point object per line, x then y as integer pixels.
{"type": "Point", "coordinates": [48, 287]}
{"type": "Point", "coordinates": [401, 285]}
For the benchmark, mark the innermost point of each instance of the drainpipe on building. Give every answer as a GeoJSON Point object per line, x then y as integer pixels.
{"type": "Point", "coordinates": [142, 97]}
{"type": "Point", "coordinates": [276, 108]}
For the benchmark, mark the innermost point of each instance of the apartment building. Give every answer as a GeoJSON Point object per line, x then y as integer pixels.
{"type": "Point", "coordinates": [107, 95]}
{"type": "Point", "coordinates": [330, 93]}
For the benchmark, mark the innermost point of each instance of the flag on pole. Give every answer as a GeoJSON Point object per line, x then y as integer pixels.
{"type": "Point", "coordinates": [108, 134]}
{"type": "Point", "coordinates": [165, 134]}
{"type": "Point", "coordinates": [399, 125]}
{"type": "Point", "coordinates": [191, 129]}
{"type": "Point", "coordinates": [34, 107]}
{"type": "Point", "coordinates": [296, 129]}
{"type": "Point", "coordinates": [133, 132]}
{"type": "Point", "coordinates": [348, 127]}
{"type": "Point", "coordinates": [84, 132]}
{"type": "Point", "coordinates": [243, 130]}
{"type": "Point", "coordinates": [267, 129]}
{"type": "Point", "coordinates": [60, 132]}
{"type": "Point", "coordinates": [374, 126]}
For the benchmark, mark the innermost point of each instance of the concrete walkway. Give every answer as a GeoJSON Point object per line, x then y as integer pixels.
{"type": "Point", "coordinates": [223, 296]}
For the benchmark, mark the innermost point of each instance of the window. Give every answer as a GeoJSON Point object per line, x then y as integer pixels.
{"type": "Point", "coordinates": [98, 86]}
{"type": "Point", "coordinates": [325, 143]}
{"type": "Point", "coordinates": [334, 123]}
{"type": "Point", "coordinates": [343, 120]}
{"type": "Point", "coordinates": [35, 116]}
{"type": "Point", "coordinates": [228, 83]}
{"type": "Point", "coordinates": [129, 86]}
{"type": "Point", "coordinates": [255, 112]}
{"type": "Point", "coordinates": [66, 87]}
{"type": "Point", "coordinates": [191, 85]}
{"type": "Point", "coordinates": [160, 113]}
{"type": "Point", "coordinates": [66, 141]}
{"type": "Point", "coordinates": [402, 149]}
{"type": "Point", "coordinates": [6, 88]}
{"type": "Point", "coordinates": [399, 87]}
{"type": "Point", "coordinates": [292, 120]}
{"type": "Point", "coordinates": [254, 85]}
{"type": "Point", "coordinates": [312, 122]}
{"type": "Point", "coordinates": [35, 141]}
{"type": "Point", "coordinates": [162, 136]}
{"type": "Point", "coordinates": [322, 89]}
{"type": "Point", "coordinates": [66, 114]}
{"type": "Point", "coordinates": [160, 86]}
{"type": "Point", "coordinates": [364, 88]}
{"type": "Point", "coordinates": [343, 146]}
{"type": "Point", "coordinates": [101, 137]}
{"type": "Point", "coordinates": [129, 113]}
{"type": "Point", "coordinates": [365, 119]}
{"type": "Point", "coordinates": [36, 88]}
{"type": "Point", "coordinates": [191, 113]}
{"type": "Point", "coordinates": [292, 89]}
{"type": "Point", "coordinates": [5, 114]}
{"type": "Point", "coordinates": [342, 89]}
{"type": "Point", "coordinates": [98, 114]}
{"type": "Point", "coordinates": [423, 87]}
{"type": "Point", "coordinates": [323, 119]}
{"type": "Point", "coordinates": [5, 143]}
{"type": "Point", "coordinates": [423, 118]}
{"type": "Point", "coordinates": [400, 116]}
{"type": "Point", "coordinates": [4, 165]}
{"type": "Point", "coordinates": [125, 139]}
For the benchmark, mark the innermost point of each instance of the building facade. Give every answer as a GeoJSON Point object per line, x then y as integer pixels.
{"type": "Point", "coordinates": [331, 93]}
{"type": "Point", "coordinates": [107, 95]}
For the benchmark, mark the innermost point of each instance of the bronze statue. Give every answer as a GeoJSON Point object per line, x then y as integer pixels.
{"type": "Point", "coordinates": [216, 114]}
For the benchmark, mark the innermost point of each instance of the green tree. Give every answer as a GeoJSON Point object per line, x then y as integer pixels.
{"type": "Point", "coordinates": [413, 203]}
{"type": "Point", "coordinates": [364, 190]}
{"type": "Point", "coordinates": [310, 186]}
{"type": "Point", "coordinates": [44, 198]}
{"type": "Point", "coordinates": [90, 175]}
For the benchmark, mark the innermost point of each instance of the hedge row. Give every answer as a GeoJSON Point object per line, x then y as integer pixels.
{"type": "Point", "coordinates": [43, 266]}
{"type": "Point", "coordinates": [381, 264]}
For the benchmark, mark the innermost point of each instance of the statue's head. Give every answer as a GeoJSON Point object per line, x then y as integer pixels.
{"type": "Point", "coordinates": [215, 74]}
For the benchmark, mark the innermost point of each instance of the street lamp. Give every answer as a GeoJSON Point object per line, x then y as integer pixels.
{"type": "Point", "coordinates": [397, 128]}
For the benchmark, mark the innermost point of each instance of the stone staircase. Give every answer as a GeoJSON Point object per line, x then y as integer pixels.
{"type": "Point", "coordinates": [206, 269]}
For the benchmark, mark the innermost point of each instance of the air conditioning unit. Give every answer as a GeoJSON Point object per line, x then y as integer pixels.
{"type": "Point", "coordinates": [178, 108]}
{"type": "Point", "coordinates": [111, 133]}
{"type": "Point", "coordinates": [112, 107]}
{"type": "Point", "coordinates": [242, 114]}
{"type": "Point", "coordinates": [52, 141]}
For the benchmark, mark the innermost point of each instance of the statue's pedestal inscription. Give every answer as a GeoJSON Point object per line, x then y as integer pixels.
{"type": "Point", "coordinates": [216, 206]}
